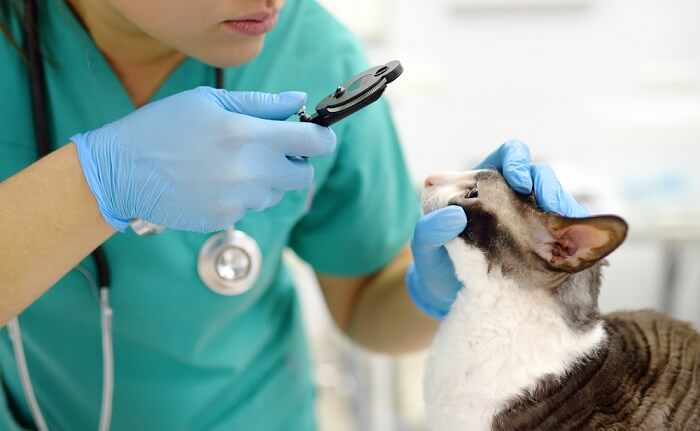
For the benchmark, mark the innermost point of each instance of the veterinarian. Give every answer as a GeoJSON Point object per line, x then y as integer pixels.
{"type": "Point", "coordinates": [136, 130]}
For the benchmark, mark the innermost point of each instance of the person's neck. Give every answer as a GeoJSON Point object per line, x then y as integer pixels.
{"type": "Point", "coordinates": [141, 62]}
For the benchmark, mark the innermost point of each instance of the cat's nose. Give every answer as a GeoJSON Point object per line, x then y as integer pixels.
{"type": "Point", "coordinates": [465, 179]}
{"type": "Point", "coordinates": [443, 178]}
{"type": "Point", "coordinates": [434, 180]}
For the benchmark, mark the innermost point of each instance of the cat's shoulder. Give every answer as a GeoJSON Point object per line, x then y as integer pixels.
{"type": "Point", "coordinates": [650, 322]}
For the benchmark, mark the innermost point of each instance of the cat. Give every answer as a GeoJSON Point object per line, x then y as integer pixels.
{"type": "Point", "coordinates": [524, 346]}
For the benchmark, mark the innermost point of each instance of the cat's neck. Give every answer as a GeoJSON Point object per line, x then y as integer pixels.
{"type": "Point", "coordinates": [492, 300]}
{"type": "Point", "coordinates": [497, 342]}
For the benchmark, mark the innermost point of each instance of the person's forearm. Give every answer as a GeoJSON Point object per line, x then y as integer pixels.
{"type": "Point", "coordinates": [49, 222]}
{"type": "Point", "coordinates": [385, 318]}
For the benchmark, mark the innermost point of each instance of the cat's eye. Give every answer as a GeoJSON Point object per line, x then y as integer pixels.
{"type": "Point", "coordinates": [473, 193]}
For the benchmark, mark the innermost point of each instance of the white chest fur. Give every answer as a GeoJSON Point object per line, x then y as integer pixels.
{"type": "Point", "coordinates": [495, 344]}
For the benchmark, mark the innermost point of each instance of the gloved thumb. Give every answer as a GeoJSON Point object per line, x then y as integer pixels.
{"type": "Point", "coordinates": [269, 106]}
{"type": "Point", "coordinates": [437, 228]}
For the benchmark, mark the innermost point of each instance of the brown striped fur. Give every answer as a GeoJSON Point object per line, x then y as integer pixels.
{"type": "Point", "coordinates": [645, 377]}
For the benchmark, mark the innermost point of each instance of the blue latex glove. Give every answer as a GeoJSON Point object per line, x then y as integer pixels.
{"type": "Point", "coordinates": [198, 160]}
{"type": "Point", "coordinates": [431, 277]}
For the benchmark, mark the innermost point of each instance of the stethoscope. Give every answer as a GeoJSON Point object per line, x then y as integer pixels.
{"type": "Point", "coordinates": [228, 263]}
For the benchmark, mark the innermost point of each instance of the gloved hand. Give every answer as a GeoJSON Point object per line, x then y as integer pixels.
{"type": "Point", "coordinates": [431, 277]}
{"type": "Point", "coordinates": [198, 160]}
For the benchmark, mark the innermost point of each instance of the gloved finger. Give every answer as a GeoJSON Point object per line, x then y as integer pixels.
{"type": "Point", "coordinates": [250, 196]}
{"type": "Point", "coordinates": [299, 139]}
{"type": "Point", "coordinates": [269, 106]}
{"type": "Point", "coordinates": [274, 197]}
{"type": "Point", "coordinates": [431, 304]}
{"type": "Point", "coordinates": [258, 163]}
{"type": "Point", "coordinates": [227, 218]}
{"type": "Point", "coordinates": [439, 227]}
{"type": "Point", "coordinates": [512, 159]}
{"type": "Point", "coordinates": [271, 198]}
{"type": "Point", "coordinates": [551, 196]}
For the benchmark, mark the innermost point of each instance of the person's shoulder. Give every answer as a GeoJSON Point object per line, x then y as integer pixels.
{"type": "Point", "coordinates": [317, 40]}
{"type": "Point", "coordinates": [322, 26]}
{"type": "Point", "coordinates": [317, 23]}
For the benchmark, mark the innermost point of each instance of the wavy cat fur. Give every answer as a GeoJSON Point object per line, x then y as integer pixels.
{"type": "Point", "coordinates": [645, 376]}
{"type": "Point", "coordinates": [525, 347]}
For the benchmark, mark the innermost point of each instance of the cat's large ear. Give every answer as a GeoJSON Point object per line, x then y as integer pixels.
{"type": "Point", "coordinates": [574, 244]}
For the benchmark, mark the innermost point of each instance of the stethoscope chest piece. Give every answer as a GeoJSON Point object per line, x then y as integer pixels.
{"type": "Point", "coordinates": [229, 262]}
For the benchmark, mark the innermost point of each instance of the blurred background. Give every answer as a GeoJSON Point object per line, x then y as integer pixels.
{"type": "Point", "coordinates": [605, 91]}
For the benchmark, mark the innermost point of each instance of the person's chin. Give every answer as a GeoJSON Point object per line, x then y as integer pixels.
{"type": "Point", "coordinates": [235, 54]}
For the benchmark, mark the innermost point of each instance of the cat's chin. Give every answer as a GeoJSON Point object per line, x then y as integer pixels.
{"type": "Point", "coordinates": [434, 203]}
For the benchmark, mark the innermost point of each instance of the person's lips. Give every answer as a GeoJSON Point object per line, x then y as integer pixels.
{"type": "Point", "coordinates": [253, 24]}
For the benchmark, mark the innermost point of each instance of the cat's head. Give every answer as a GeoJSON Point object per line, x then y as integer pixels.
{"type": "Point", "coordinates": [537, 250]}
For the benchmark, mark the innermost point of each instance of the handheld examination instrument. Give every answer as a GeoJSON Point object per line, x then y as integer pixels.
{"type": "Point", "coordinates": [361, 90]}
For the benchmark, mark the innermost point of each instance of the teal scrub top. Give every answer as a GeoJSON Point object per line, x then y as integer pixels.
{"type": "Point", "coordinates": [187, 358]}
